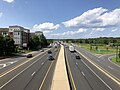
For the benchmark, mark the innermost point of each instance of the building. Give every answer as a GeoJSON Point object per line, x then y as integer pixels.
{"type": "Point", "coordinates": [38, 33]}
{"type": "Point", "coordinates": [4, 31]}
{"type": "Point", "coordinates": [20, 35]}
{"type": "Point", "coordinates": [32, 34]}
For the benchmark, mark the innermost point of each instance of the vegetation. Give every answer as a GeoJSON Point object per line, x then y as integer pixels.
{"type": "Point", "coordinates": [37, 42]}
{"type": "Point", "coordinates": [99, 49]}
{"type": "Point", "coordinates": [102, 45]}
{"type": "Point", "coordinates": [114, 60]}
{"type": "Point", "coordinates": [7, 46]}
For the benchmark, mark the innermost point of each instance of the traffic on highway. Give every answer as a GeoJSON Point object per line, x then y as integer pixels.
{"type": "Point", "coordinates": [37, 72]}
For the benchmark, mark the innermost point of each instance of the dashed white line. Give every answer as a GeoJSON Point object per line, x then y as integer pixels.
{"type": "Point", "coordinates": [97, 76]}
{"type": "Point", "coordinates": [76, 63]}
{"type": "Point", "coordinates": [19, 73]}
{"type": "Point", "coordinates": [83, 73]}
{"type": "Point", "coordinates": [42, 63]}
{"type": "Point", "coordinates": [33, 73]}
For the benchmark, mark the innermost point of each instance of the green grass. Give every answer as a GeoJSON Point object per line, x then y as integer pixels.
{"type": "Point", "coordinates": [101, 49]}
{"type": "Point", "coordinates": [114, 60]}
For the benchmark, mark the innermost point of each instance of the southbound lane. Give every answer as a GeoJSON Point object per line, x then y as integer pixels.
{"type": "Point", "coordinates": [84, 78]}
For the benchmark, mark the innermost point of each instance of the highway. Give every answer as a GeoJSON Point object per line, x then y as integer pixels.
{"type": "Point", "coordinates": [85, 76]}
{"type": "Point", "coordinates": [103, 63]}
{"type": "Point", "coordinates": [30, 73]}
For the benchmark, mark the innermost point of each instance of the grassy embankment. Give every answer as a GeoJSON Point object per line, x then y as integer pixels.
{"type": "Point", "coordinates": [114, 60]}
{"type": "Point", "coordinates": [101, 49]}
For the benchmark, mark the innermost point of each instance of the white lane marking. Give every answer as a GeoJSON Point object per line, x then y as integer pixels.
{"type": "Point", "coordinates": [115, 79]}
{"type": "Point", "coordinates": [83, 73]}
{"type": "Point", "coordinates": [33, 73]}
{"type": "Point", "coordinates": [113, 62]}
{"type": "Point", "coordinates": [110, 67]}
{"type": "Point", "coordinates": [19, 73]}
{"type": "Point", "coordinates": [101, 56]}
{"type": "Point", "coordinates": [97, 75]}
{"type": "Point", "coordinates": [12, 62]}
{"type": "Point", "coordinates": [3, 65]}
{"type": "Point", "coordinates": [42, 63]}
{"type": "Point", "coordinates": [1, 75]}
{"type": "Point", "coordinates": [6, 64]}
{"type": "Point", "coordinates": [76, 63]}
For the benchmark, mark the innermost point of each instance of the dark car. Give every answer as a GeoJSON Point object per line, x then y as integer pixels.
{"type": "Point", "coordinates": [77, 57]}
{"type": "Point", "coordinates": [29, 55]}
{"type": "Point", "coordinates": [49, 52]}
{"type": "Point", "coordinates": [50, 57]}
{"type": "Point", "coordinates": [42, 50]}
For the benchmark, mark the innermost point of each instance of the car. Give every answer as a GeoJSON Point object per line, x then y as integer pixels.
{"type": "Point", "coordinates": [50, 57]}
{"type": "Point", "coordinates": [29, 55]}
{"type": "Point", "coordinates": [77, 57]}
{"type": "Point", "coordinates": [49, 52]}
{"type": "Point", "coordinates": [42, 50]}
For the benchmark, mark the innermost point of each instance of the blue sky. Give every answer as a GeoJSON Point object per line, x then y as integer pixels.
{"type": "Point", "coordinates": [64, 18]}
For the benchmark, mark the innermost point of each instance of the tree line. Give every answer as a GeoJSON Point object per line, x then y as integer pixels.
{"type": "Point", "coordinates": [101, 40]}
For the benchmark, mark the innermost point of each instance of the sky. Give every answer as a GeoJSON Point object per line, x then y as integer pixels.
{"type": "Point", "coordinates": [64, 19]}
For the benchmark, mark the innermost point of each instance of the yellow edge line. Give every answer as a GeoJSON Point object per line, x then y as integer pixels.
{"type": "Point", "coordinates": [1, 75]}
{"type": "Point", "coordinates": [46, 75]}
{"type": "Point", "coordinates": [70, 74]}
{"type": "Point", "coordinates": [115, 79]}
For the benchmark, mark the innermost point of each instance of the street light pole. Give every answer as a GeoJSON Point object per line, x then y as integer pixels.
{"type": "Point", "coordinates": [116, 53]}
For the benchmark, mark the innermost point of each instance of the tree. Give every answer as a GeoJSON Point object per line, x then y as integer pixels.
{"type": "Point", "coordinates": [1, 45]}
{"type": "Point", "coordinates": [33, 42]}
{"type": "Point", "coordinates": [43, 41]}
{"type": "Point", "coordinates": [8, 45]}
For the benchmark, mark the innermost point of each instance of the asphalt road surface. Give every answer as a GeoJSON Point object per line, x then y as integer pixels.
{"type": "Point", "coordinates": [29, 74]}
{"type": "Point", "coordinates": [84, 75]}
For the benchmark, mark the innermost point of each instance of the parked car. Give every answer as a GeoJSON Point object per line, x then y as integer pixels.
{"type": "Point", "coordinates": [77, 57]}
{"type": "Point", "coordinates": [29, 55]}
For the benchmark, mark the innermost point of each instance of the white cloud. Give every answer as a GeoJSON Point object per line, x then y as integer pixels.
{"type": "Point", "coordinates": [45, 27]}
{"type": "Point", "coordinates": [98, 29]}
{"type": "Point", "coordinates": [114, 30]}
{"type": "Point", "coordinates": [95, 18]}
{"type": "Point", "coordinates": [9, 1]}
{"type": "Point", "coordinates": [67, 34]}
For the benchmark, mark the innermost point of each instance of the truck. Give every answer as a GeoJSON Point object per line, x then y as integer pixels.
{"type": "Point", "coordinates": [71, 48]}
